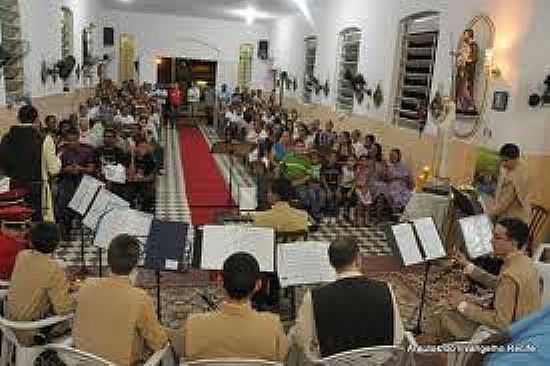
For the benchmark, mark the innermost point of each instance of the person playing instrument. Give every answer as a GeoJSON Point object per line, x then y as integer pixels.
{"type": "Point", "coordinates": [517, 287]}
{"type": "Point", "coordinates": [512, 195]}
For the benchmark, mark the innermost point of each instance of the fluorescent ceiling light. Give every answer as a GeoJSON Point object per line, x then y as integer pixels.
{"type": "Point", "coordinates": [304, 8]}
{"type": "Point", "coordinates": [250, 14]}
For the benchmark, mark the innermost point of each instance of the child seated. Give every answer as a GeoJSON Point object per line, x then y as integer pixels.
{"type": "Point", "coordinates": [330, 177]}
{"type": "Point", "coordinates": [346, 197]}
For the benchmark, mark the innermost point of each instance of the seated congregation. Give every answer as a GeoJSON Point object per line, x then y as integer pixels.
{"type": "Point", "coordinates": [335, 177]}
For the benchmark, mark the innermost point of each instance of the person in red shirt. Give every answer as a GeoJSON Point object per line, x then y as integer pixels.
{"type": "Point", "coordinates": [13, 239]}
{"type": "Point", "coordinates": [175, 99]}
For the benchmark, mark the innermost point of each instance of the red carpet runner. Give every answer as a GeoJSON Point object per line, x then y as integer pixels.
{"type": "Point", "coordinates": [206, 190]}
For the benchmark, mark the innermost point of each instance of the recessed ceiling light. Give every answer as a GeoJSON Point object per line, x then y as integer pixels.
{"type": "Point", "coordinates": [250, 14]}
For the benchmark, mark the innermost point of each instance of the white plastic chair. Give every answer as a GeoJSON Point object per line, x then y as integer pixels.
{"type": "Point", "coordinates": [544, 271]}
{"type": "Point", "coordinates": [74, 357]}
{"type": "Point", "coordinates": [370, 356]}
{"type": "Point", "coordinates": [13, 350]}
{"type": "Point", "coordinates": [231, 362]}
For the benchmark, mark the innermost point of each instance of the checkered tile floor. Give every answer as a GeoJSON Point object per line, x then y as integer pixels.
{"type": "Point", "coordinates": [171, 205]}
{"type": "Point", "coordinates": [372, 239]}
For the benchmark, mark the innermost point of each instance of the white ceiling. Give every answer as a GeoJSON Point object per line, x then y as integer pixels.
{"type": "Point", "coordinates": [217, 9]}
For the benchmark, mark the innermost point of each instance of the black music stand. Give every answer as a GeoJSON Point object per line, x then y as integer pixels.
{"type": "Point", "coordinates": [82, 213]}
{"type": "Point", "coordinates": [164, 251]}
{"type": "Point", "coordinates": [412, 246]}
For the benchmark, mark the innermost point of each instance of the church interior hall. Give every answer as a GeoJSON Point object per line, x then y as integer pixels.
{"type": "Point", "coordinates": [274, 182]}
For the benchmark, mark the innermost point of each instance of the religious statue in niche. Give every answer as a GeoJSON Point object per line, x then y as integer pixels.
{"type": "Point", "coordinates": [466, 64]}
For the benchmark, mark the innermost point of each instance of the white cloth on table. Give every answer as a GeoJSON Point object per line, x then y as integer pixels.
{"type": "Point", "coordinates": [428, 205]}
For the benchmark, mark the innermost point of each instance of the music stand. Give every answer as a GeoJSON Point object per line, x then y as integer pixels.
{"type": "Point", "coordinates": [164, 251]}
{"type": "Point", "coordinates": [463, 203]}
{"type": "Point", "coordinates": [417, 242]}
{"type": "Point", "coordinates": [81, 203]}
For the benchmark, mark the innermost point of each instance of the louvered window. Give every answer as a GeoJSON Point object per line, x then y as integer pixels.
{"type": "Point", "coordinates": [245, 65]}
{"type": "Point", "coordinates": [309, 70]}
{"type": "Point", "coordinates": [66, 33]}
{"type": "Point", "coordinates": [349, 46]}
{"type": "Point", "coordinates": [11, 41]}
{"type": "Point", "coordinates": [417, 60]}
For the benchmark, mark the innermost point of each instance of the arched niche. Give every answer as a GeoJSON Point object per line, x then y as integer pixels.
{"type": "Point", "coordinates": [471, 79]}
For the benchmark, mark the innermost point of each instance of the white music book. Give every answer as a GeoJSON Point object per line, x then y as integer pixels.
{"type": "Point", "coordinates": [84, 195]}
{"type": "Point", "coordinates": [4, 185]}
{"type": "Point", "coordinates": [221, 241]}
{"type": "Point", "coordinates": [104, 202]}
{"type": "Point", "coordinates": [304, 263]}
{"type": "Point", "coordinates": [407, 244]}
{"type": "Point", "coordinates": [123, 221]}
{"type": "Point", "coordinates": [477, 232]}
{"type": "Point", "coordinates": [115, 173]}
{"type": "Point", "coordinates": [429, 238]}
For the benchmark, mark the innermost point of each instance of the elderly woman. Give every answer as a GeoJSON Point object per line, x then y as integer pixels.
{"type": "Point", "coordinates": [399, 182]}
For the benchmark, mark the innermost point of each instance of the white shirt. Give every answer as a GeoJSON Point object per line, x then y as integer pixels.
{"type": "Point", "coordinates": [128, 120]}
{"type": "Point", "coordinates": [359, 149]}
{"type": "Point", "coordinates": [193, 94]}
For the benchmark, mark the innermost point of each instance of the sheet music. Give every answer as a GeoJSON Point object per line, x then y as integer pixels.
{"type": "Point", "coordinates": [304, 263]}
{"type": "Point", "coordinates": [123, 221]}
{"type": "Point", "coordinates": [219, 242]}
{"type": "Point", "coordinates": [104, 202]}
{"type": "Point", "coordinates": [4, 185]}
{"type": "Point", "coordinates": [429, 238]}
{"type": "Point", "coordinates": [477, 232]}
{"type": "Point", "coordinates": [84, 194]}
{"type": "Point", "coordinates": [115, 173]}
{"type": "Point", "coordinates": [407, 244]}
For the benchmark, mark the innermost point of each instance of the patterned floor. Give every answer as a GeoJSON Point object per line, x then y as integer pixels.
{"type": "Point", "coordinates": [180, 291]}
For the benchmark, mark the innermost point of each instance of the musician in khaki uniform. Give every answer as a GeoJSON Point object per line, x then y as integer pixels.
{"type": "Point", "coordinates": [517, 288]}
{"type": "Point", "coordinates": [236, 330]}
{"type": "Point", "coordinates": [512, 195]}
{"type": "Point", "coordinates": [113, 319]}
{"type": "Point", "coordinates": [282, 217]}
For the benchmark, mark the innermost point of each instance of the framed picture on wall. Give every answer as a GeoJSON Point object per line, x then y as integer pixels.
{"type": "Point", "coordinates": [500, 101]}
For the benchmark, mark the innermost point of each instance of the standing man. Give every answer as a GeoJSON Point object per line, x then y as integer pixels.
{"type": "Point", "coordinates": [512, 195]}
{"type": "Point", "coordinates": [175, 100]}
{"type": "Point", "coordinates": [29, 159]}
{"type": "Point", "coordinates": [193, 98]}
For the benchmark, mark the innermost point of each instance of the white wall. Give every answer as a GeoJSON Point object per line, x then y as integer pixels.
{"type": "Point", "coordinates": [521, 50]}
{"type": "Point", "coordinates": [175, 36]}
{"type": "Point", "coordinates": [41, 25]}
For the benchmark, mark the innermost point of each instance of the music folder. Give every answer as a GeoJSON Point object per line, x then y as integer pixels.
{"type": "Point", "coordinates": [477, 232]}
{"type": "Point", "coordinates": [304, 263]}
{"type": "Point", "coordinates": [165, 246]}
{"type": "Point", "coordinates": [416, 242]}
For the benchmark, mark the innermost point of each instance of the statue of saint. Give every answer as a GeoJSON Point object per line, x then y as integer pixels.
{"type": "Point", "coordinates": [466, 62]}
{"type": "Point", "coordinates": [444, 135]}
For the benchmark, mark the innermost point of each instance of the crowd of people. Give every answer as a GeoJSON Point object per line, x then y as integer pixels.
{"type": "Point", "coordinates": [341, 176]}
{"type": "Point", "coordinates": [114, 137]}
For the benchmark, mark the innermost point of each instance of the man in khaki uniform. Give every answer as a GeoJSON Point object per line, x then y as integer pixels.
{"type": "Point", "coordinates": [517, 288]}
{"type": "Point", "coordinates": [38, 287]}
{"type": "Point", "coordinates": [282, 217]}
{"type": "Point", "coordinates": [236, 331]}
{"type": "Point", "coordinates": [113, 319]}
{"type": "Point", "coordinates": [512, 195]}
